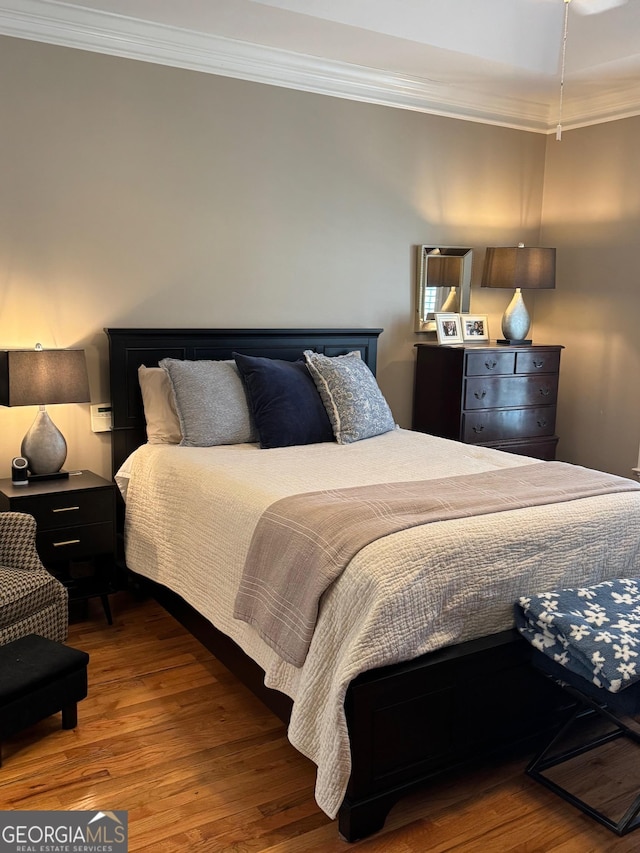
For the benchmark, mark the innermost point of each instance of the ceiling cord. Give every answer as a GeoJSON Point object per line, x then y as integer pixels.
{"type": "Point", "coordinates": [564, 53]}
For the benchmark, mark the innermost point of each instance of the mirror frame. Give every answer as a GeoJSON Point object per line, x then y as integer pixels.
{"type": "Point", "coordinates": [425, 322]}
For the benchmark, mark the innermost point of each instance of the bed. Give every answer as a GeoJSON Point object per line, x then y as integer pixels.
{"type": "Point", "coordinates": [403, 690]}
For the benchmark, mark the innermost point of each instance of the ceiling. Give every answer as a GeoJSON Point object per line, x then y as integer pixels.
{"type": "Point", "coordinates": [493, 61]}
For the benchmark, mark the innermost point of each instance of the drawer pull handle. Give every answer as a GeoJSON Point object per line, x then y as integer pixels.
{"type": "Point", "coordinates": [538, 364]}
{"type": "Point", "coordinates": [490, 363]}
{"type": "Point", "coordinates": [544, 392]}
{"type": "Point", "coordinates": [478, 428]}
{"type": "Point", "coordinates": [66, 542]}
{"type": "Point", "coordinates": [542, 423]}
{"type": "Point", "coordinates": [480, 395]}
{"type": "Point", "coordinates": [66, 509]}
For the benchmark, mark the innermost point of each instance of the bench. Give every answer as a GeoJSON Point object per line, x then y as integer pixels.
{"type": "Point", "coordinates": [38, 678]}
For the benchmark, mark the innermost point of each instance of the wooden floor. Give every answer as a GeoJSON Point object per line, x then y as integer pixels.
{"type": "Point", "coordinates": [168, 735]}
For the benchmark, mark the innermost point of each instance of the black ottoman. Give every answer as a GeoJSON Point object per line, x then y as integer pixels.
{"type": "Point", "coordinates": [39, 677]}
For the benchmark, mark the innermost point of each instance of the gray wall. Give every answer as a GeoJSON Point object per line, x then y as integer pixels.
{"type": "Point", "coordinates": [591, 213]}
{"type": "Point", "coordinates": [134, 194]}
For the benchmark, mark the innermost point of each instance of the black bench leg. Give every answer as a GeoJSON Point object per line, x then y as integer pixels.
{"type": "Point", "coordinates": [70, 716]}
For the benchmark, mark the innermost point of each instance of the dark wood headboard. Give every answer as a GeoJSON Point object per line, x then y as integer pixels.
{"type": "Point", "coordinates": [129, 348]}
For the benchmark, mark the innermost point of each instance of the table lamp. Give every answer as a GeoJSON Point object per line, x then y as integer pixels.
{"type": "Point", "coordinates": [520, 267]}
{"type": "Point", "coordinates": [40, 377]}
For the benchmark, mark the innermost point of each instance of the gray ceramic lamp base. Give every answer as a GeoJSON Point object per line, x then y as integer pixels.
{"type": "Point", "coordinates": [516, 322]}
{"type": "Point", "coordinates": [44, 447]}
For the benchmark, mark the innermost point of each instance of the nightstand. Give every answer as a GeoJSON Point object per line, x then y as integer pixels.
{"type": "Point", "coordinates": [76, 530]}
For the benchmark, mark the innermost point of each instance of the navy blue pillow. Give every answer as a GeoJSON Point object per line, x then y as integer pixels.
{"type": "Point", "coordinates": [284, 400]}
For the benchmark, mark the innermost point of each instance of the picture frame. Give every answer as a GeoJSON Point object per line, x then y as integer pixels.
{"type": "Point", "coordinates": [448, 328]}
{"type": "Point", "coordinates": [475, 328]}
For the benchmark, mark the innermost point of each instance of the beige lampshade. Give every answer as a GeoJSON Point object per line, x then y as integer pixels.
{"type": "Point", "coordinates": [519, 266]}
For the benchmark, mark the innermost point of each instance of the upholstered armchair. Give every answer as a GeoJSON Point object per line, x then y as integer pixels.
{"type": "Point", "coordinates": [32, 601]}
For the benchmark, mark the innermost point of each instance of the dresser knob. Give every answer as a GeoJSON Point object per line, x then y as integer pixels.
{"type": "Point", "coordinates": [478, 428]}
{"type": "Point", "coordinates": [544, 392]}
{"type": "Point", "coordinates": [480, 395]}
{"type": "Point", "coordinates": [542, 423]}
{"type": "Point", "coordinates": [538, 364]}
{"type": "Point", "coordinates": [490, 363]}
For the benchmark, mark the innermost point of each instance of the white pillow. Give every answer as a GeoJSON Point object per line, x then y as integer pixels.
{"type": "Point", "coordinates": [163, 426]}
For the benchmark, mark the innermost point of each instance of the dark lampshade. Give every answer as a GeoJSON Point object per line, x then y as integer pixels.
{"type": "Point", "coordinates": [43, 377]}
{"type": "Point", "coordinates": [40, 377]}
{"type": "Point", "coordinates": [443, 271]}
{"type": "Point", "coordinates": [519, 266]}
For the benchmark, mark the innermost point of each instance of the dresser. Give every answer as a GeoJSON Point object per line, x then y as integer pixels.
{"type": "Point", "coordinates": [496, 396]}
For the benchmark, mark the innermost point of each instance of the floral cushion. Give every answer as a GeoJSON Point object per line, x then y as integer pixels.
{"type": "Point", "coordinates": [351, 396]}
{"type": "Point", "coordinates": [593, 631]}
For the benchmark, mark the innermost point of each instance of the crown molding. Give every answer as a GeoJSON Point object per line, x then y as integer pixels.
{"type": "Point", "coordinates": [78, 27]}
{"type": "Point", "coordinates": [620, 101]}
{"type": "Point", "coordinates": [87, 29]}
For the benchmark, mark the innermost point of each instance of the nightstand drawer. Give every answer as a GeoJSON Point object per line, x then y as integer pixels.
{"type": "Point", "coordinates": [75, 543]}
{"type": "Point", "coordinates": [491, 426]}
{"type": "Point", "coordinates": [510, 392]}
{"type": "Point", "coordinates": [63, 509]}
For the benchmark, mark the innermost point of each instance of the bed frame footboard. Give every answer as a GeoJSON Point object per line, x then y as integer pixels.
{"type": "Point", "coordinates": [415, 722]}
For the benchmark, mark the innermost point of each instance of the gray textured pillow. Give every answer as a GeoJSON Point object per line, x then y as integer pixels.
{"type": "Point", "coordinates": [211, 402]}
{"type": "Point", "coordinates": [351, 396]}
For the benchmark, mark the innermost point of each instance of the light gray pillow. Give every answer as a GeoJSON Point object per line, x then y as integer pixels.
{"type": "Point", "coordinates": [211, 402]}
{"type": "Point", "coordinates": [351, 396]}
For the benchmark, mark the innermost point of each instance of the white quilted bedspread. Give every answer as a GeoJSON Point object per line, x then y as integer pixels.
{"type": "Point", "coordinates": [191, 513]}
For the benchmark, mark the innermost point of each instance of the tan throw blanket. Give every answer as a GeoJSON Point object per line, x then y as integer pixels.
{"type": "Point", "coordinates": [302, 543]}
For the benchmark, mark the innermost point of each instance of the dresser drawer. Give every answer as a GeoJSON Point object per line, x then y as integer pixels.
{"type": "Point", "coordinates": [63, 509]}
{"type": "Point", "coordinates": [490, 363]}
{"type": "Point", "coordinates": [538, 448]}
{"type": "Point", "coordinates": [510, 391]}
{"type": "Point", "coordinates": [490, 426]}
{"type": "Point", "coordinates": [75, 543]}
{"type": "Point", "coordinates": [538, 361]}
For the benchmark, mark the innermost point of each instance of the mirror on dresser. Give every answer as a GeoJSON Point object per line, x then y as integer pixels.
{"type": "Point", "coordinates": [443, 283]}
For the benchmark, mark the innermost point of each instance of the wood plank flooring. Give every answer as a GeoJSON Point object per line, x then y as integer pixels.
{"type": "Point", "coordinates": [169, 735]}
